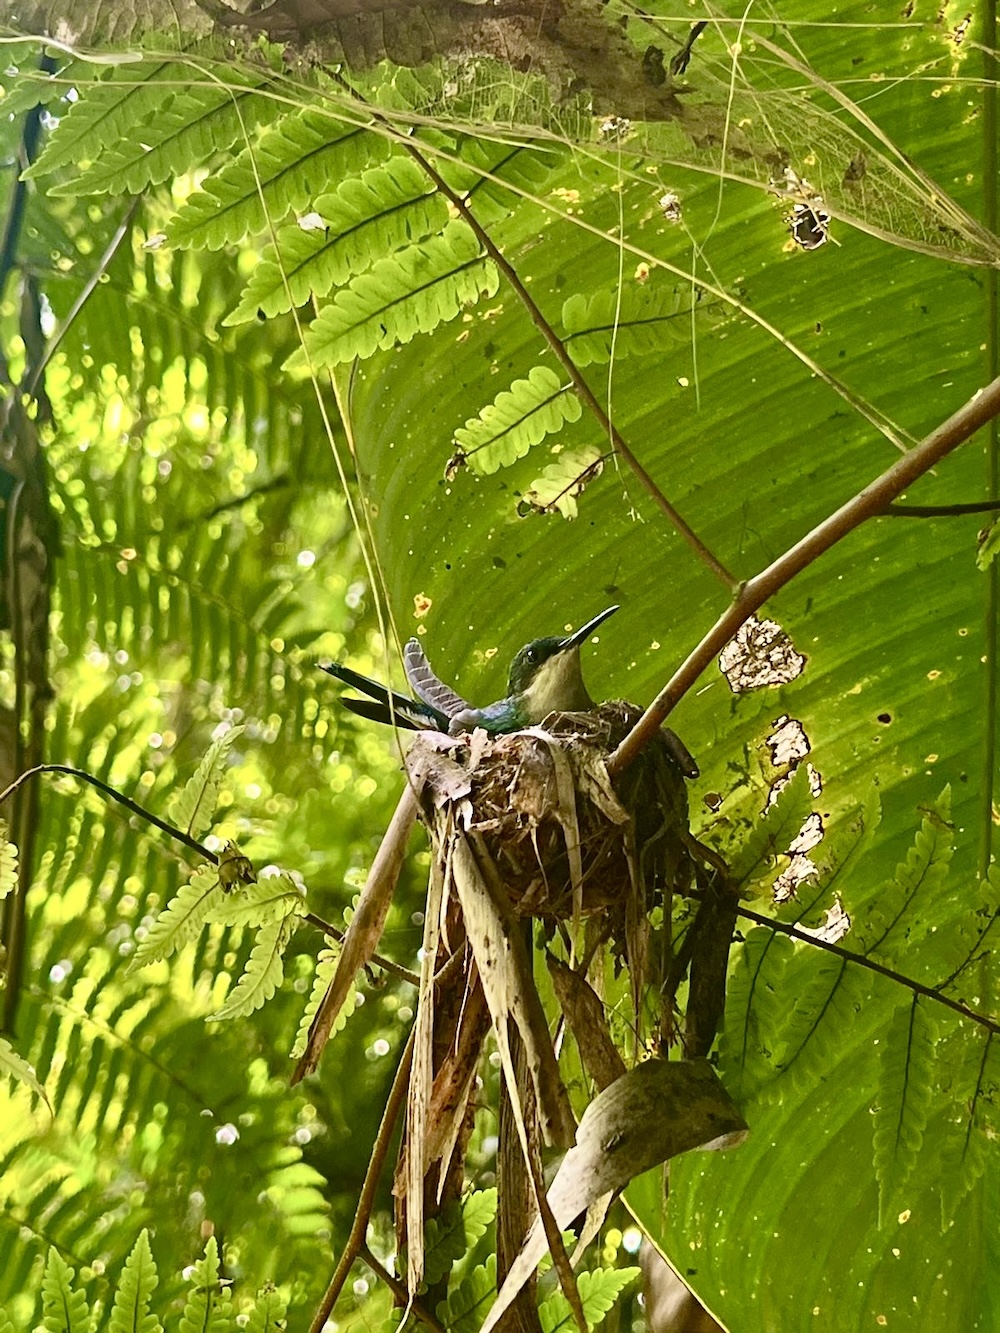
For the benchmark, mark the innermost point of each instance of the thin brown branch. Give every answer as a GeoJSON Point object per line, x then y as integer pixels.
{"type": "Point", "coordinates": [398, 1289]}
{"type": "Point", "coordinates": [917, 987]}
{"type": "Point", "coordinates": [366, 1201]}
{"type": "Point", "coordinates": [579, 381]}
{"type": "Point", "coordinates": [868, 503]}
{"type": "Point", "coordinates": [386, 964]}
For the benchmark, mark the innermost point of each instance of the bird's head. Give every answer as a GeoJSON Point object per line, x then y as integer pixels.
{"type": "Point", "coordinates": [547, 673]}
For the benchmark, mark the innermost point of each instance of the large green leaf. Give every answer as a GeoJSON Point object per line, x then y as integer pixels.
{"type": "Point", "coordinates": [800, 374]}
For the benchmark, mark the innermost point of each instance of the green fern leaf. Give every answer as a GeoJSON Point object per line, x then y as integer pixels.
{"type": "Point", "coordinates": [14, 1066]}
{"type": "Point", "coordinates": [63, 1309]}
{"type": "Point", "coordinates": [268, 1313]}
{"type": "Point", "coordinates": [194, 807]}
{"type": "Point", "coordinates": [368, 217]}
{"type": "Point", "coordinates": [209, 1304]}
{"type": "Point", "coordinates": [109, 111]}
{"type": "Point", "coordinates": [906, 1083]}
{"type": "Point", "coordinates": [756, 1001]}
{"type": "Point", "coordinates": [560, 483]}
{"type": "Point", "coordinates": [180, 136]}
{"type": "Point", "coordinates": [8, 863]}
{"type": "Point", "coordinates": [965, 1139]}
{"type": "Point", "coordinates": [181, 919]}
{"type": "Point", "coordinates": [517, 419]}
{"type": "Point", "coordinates": [491, 166]}
{"type": "Point", "coordinates": [130, 1312]}
{"type": "Point", "coordinates": [811, 1040]}
{"type": "Point", "coordinates": [295, 163]}
{"type": "Point", "coordinates": [444, 1243]}
{"type": "Point", "coordinates": [466, 1307]}
{"type": "Point", "coordinates": [641, 324]}
{"type": "Point", "coordinates": [893, 923]}
{"type": "Point", "coordinates": [478, 1211]}
{"type": "Point", "coordinates": [5, 1323]}
{"type": "Point", "coordinates": [270, 898]}
{"type": "Point", "coordinates": [598, 1292]}
{"type": "Point", "coordinates": [773, 832]}
{"type": "Point", "coordinates": [412, 292]}
{"type": "Point", "coordinates": [326, 965]}
{"type": "Point", "coordinates": [264, 972]}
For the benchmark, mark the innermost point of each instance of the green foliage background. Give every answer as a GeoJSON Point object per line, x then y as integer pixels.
{"type": "Point", "coordinates": [208, 557]}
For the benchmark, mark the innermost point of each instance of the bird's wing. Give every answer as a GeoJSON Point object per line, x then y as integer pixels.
{"type": "Point", "coordinates": [410, 712]}
{"type": "Point", "coordinates": [426, 686]}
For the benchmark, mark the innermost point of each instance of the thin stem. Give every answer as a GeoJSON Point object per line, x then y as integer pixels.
{"type": "Point", "coordinates": [398, 1289]}
{"type": "Point", "coordinates": [868, 503]}
{"type": "Point", "coordinates": [178, 834]}
{"type": "Point", "coordinates": [366, 1201]}
{"type": "Point", "coordinates": [579, 381]}
{"type": "Point", "coordinates": [917, 987]}
{"type": "Point", "coordinates": [943, 511]}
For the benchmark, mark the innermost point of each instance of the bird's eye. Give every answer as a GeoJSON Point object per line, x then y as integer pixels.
{"type": "Point", "coordinates": [532, 655]}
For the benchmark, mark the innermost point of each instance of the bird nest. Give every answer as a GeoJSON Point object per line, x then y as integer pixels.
{"type": "Point", "coordinates": [562, 839]}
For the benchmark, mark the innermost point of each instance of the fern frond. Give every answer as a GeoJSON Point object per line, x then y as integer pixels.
{"type": "Point", "coordinates": [194, 807]}
{"type": "Point", "coordinates": [8, 862]}
{"type": "Point", "coordinates": [517, 419]}
{"type": "Point", "coordinates": [181, 919]}
{"type": "Point", "coordinates": [108, 111]}
{"type": "Point", "coordinates": [271, 898]}
{"type": "Point", "coordinates": [209, 1304]}
{"type": "Point", "coordinates": [811, 1039]}
{"type": "Point", "coordinates": [264, 972]}
{"type": "Point", "coordinates": [921, 876]}
{"type": "Point", "coordinates": [756, 1003]}
{"type": "Point", "coordinates": [906, 1083]}
{"type": "Point", "coordinates": [966, 1135]}
{"type": "Point", "coordinates": [598, 1292]}
{"type": "Point", "coordinates": [444, 1243]}
{"type": "Point", "coordinates": [561, 482]}
{"type": "Point", "coordinates": [14, 1066]}
{"type": "Point", "coordinates": [295, 163]}
{"type": "Point", "coordinates": [368, 217]}
{"type": "Point", "coordinates": [268, 1313]}
{"type": "Point", "coordinates": [643, 324]}
{"type": "Point", "coordinates": [773, 832]}
{"type": "Point", "coordinates": [63, 1309]}
{"type": "Point", "coordinates": [130, 1312]}
{"type": "Point", "coordinates": [413, 292]}
{"type": "Point", "coordinates": [466, 1307]}
{"type": "Point", "coordinates": [181, 134]}
{"type": "Point", "coordinates": [326, 965]}
{"type": "Point", "coordinates": [478, 1211]}
{"type": "Point", "coordinates": [528, 170]}
{"type": "Point", "coordinates": [5, 1325]}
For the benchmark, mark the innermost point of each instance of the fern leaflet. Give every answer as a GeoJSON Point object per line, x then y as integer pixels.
{"type": "Point", "coordinates": [412, 292]}
{"type": "Point", "coordinates": [906, 1082]}
{"type": "Point", "coordinates": [8, 863]}
{"type": "Point", "coordinates": [921, 874]}
{"type": "Point", "coordinates": [326, 965]}
{"type": "Point", "coordinates": [181, 919]}
{"type": "Point", "coordinates": [517, 419]}
{"type": "Point", "coordinates": [598, 1292]}
{"type": "Point", "coordinates": [467, 1305]}
{"type": "Point", "coordinates": [367, 218]}
{"type": "Point", "coordinates": [561, 482]}
{"type": "Point", "coordinates": [295, 163]}
{"type": "Point", "coordinates": [63, 1309]}
{"type": "Point", "coordinates": [643, 324]}
{"type": "Point", "coordinates": [271, 898]}
{"type": "Point", "coordinates": [268, 1314]}
{"type": "Point", "coordinates": [966, 1140]}
{"type": "Point", "coordinates": [183, 134]}
{"type": "Point", "coordinates": [756, 1001]}
{"type": "Point", "coordinates": [194, 807]}
{"type": "Point", "coordinates": [209, 1304]}
{"type": "Point", "coordinates": [263, 974]}
{"type": "Point", "coordinates": [130, 1312]}
{"type": "Point", "coordinates": [14, 1066]}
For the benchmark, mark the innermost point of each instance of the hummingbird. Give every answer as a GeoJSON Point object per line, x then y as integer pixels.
{"type": "Point", "coordinates": [545, 677]}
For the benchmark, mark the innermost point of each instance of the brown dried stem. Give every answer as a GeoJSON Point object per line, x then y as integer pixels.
{"type": "Point", "coordinates": [869, 503]}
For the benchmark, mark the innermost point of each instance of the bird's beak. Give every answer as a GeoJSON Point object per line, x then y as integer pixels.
{"type": "Point", "coordinates": [584, 632]}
